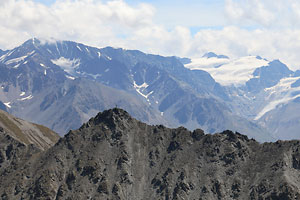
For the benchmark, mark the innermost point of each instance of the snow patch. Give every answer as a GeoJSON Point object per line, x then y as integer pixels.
{"type": "Point", "coordinates": [26, 98]}
{"type": "Point", "coordinates": [141, 88]}
{"type": "Point", "coordinates": [99, 54]}
{"type": "Point", "coordinates": [6, 55]}
{"type": "Point", "coordinates": [144, 85]}
{"type": "Point", "coordinates": [22, 94]}
{"type": "Point", "coordinates": [78, 47]}
{"type": "Point", "coordinates": [94, 76]}
{"type": "Point", "coordinates": [16, 66]}
{"type": "Point", "coordinates": [106, 70]}
{"type": "Point", "coordinates": [16, 60]}
{"type": "Point", "coordinates": [70, 77]}
{"type": "Point", "coordinates": [66, 64]}
{"type": "Point", "coordinates": [7, 104]}
{"type": "Point", "coordinates": [45, 72]}
{"type": "Point", "coordinates": [42, 65]}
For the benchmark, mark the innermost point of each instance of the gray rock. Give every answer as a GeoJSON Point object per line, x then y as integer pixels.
{"type": "Point", "coordinates": [114, 156]}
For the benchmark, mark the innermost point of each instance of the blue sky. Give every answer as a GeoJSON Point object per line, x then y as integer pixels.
{"type": "Point", "coordinates": [46, 2]}
{"type": "Point", "coordinates": [188, 28]}
{"type": "Point", "coordinates": [195, 14]}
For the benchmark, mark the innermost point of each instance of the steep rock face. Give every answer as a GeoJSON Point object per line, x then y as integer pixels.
{"type": "Point", "coordinates": [13, 153]}
{"type": "Point", "coordinates": [27, 133]}
{"type": "Point", "coordinates": [114, 156]}
{"type": "Point", "coordinates": [64, 106]}
{"type": "Point", "coordinates": [268, 76]}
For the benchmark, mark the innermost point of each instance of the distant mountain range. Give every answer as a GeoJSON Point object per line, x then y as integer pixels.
{"type": "Point", "coordinates": [62, 84]}
{"type": "Point", "coordinates": [260, 90]}
{"type": "Point", "coordinates": [114, 156]}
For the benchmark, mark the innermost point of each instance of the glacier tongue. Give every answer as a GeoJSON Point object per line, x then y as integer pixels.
{"type": "Point", "coordinates": [279, 94]}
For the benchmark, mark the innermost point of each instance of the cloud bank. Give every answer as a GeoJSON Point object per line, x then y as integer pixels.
{"type": "Point", "coordinates": [253, 27]}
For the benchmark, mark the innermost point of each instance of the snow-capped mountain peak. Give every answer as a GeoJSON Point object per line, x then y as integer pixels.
{"type": "Point", "coordinates": [213, 55]}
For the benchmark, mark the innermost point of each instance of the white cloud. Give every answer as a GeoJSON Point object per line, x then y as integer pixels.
{"type": "Point", "coordinates": [250, 11]}
{"type": "Point", "coordinates": [87, 21]}
{"type": "Point", "coordinates": [266, 13]}
{"type": "Point", "coordinates": [234, 41]}
{"type": "Point", "coordinates": [116, 23]}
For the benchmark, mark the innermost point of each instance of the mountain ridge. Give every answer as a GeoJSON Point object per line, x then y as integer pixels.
{"type": "Point", "coordinates": [118, 157]}
{"type": "Point", "coordinates": [39, 76]}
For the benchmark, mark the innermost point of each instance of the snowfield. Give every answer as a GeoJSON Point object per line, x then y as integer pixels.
{"type": "Point", "coordinates": [229, 72]}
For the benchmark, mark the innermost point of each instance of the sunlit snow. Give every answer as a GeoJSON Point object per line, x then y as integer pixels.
{"type": "Point", "coordinates": [16, 60]}
{"type": "Point", "coordinates": [78, 47]}
{"type": "Point", "coordinates": [141, 88]}
{"type": "Point", "coordinates": [42, 65]}
{"type": "Point", "coordinates": [279, 94]}
{"type": "Point", "coordinates": [7, 104]}
{"type": "Point", "coordinates": [26, 98]}
{"type": "Point", "coordinates": [232, 72]}
{"type": "Point", "coordinates": [2, 58]}
{"type": "Point", "coordinates": [70, 77]}
{"type": "Point", "coordinates": [66, 64]}
{"type": "Point", "coordinates": [16, 66]}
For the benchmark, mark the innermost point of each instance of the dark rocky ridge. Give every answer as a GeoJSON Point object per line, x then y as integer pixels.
{"type": "Point", "coordinates": [114, 156]}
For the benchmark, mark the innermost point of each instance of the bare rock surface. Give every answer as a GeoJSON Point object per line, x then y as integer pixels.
{"type": "Point", "coordinates": [114, 156]}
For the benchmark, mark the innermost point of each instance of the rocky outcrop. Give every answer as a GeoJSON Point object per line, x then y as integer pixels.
{"type": "Point", "coordinates": [114, 156]}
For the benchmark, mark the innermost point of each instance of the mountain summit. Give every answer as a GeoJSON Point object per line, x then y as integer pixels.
{"type": "Point", "coordinates": [114, 156]}
{"type": "Point", "coordinates": [213, 55]}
